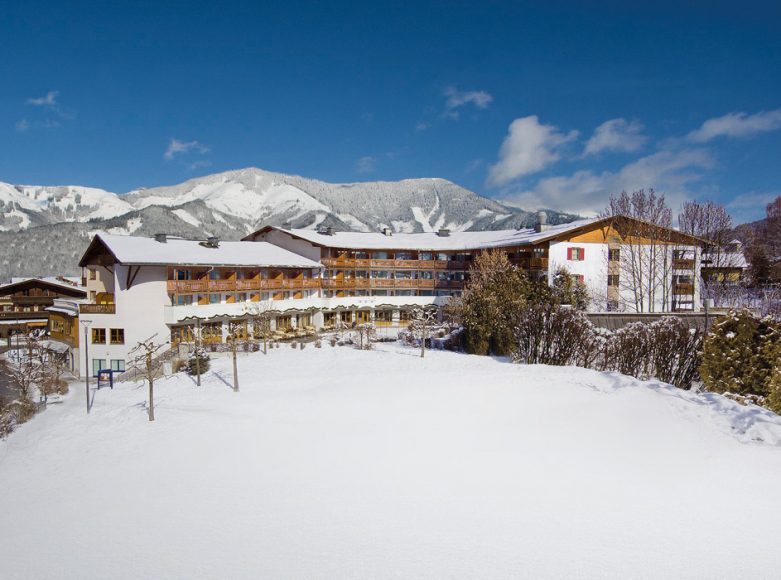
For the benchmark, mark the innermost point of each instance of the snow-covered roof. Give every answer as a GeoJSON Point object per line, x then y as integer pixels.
{"type": "Point", "coordinates": [138, 250]}
{"type": "Point", "coordinates": [69, 282]}
{"type": "Point", "coordinates": [433, 241]}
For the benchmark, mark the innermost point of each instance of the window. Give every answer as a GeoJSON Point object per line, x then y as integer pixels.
{"type": "Point", "coordinates": [614, 255]}
{"type": "Point", "coordinates": [184, 300]}
{"type": "Point", "coordinates": [612, 305]}
{"type": "Point", "coordinates": [93, 274]}
{"type": "Point", "coordinates": [612, 280]}
{"type": "Point", "coordinates": [404, 255]}
{"type": "Point", "coordinates": [214, 275]}
{"type": "Point", "coordinates": [578, 278]}
{"type": "Point", "coordinates": [379, 255]}
{"type": "Point", "coordinates": [425, 275]}
{"type": "Point", "coordinates": [97, 365]}
{"type": "Point", "coordinates": [425, 256]}
{"type": "Point", "coordinates": [118, 364]}
{"type": "Point", "coordinates": [93, 296]}
{"type": "Point", "coordinates": [214, 298]}
{"type": "Point", "coordinates": [403, 275]}
{"type": "Point", "coordinates": [241, 297]}
{"type": "Point", "coordinates": [382, 274]}
{"type": "Point", "coordinates": [117, 336]}
{"type": "Point", "coordinates": [183, 275]}
{"type": "Point", "coordinates": [98, 336]}
{"type": "Point", "coordinates": [361, 255]}
{"type": "Point", "coordinates": [575, 254]}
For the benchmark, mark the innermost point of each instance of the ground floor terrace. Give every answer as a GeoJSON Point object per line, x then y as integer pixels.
{"type": "Point", "coordinates": [290, 319]}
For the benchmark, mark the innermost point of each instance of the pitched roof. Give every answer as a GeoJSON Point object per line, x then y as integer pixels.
{"type": "Point", "coordinates": [432, 240]}
{"type": "Point", "coordinates": [67, 285]}
{"type": "Point", "coordinates": [137, 250]}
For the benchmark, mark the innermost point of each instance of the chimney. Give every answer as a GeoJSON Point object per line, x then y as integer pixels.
{"type": "Point", "coordinates": [443, 233]}
{"type": "Point", "coordinates": [329, 231]}
{"type": "Point", "coordinates": [387, 231]}
{"type": "Point", "coordinates": [542, 222]}
{"type": "Point", "coordinates": [162, 238]}
{"type": "Point", "coordinates": [213, 241]}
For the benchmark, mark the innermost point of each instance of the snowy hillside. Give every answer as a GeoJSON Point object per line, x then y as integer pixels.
{"type": "Point", "coordinates": [231, 205]}
{"type": "Point", "coordinates": [392, 466]}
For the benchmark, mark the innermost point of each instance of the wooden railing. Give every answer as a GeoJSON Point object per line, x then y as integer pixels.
{"type": "Point", "coordinates": [185, 286]}
{"type": "Point", "coordinates": [97, 308]}
{"type": "Point", "coordinates": [683, 264]}
{"type": "Point", "coordinates": [381, 283]}
{"type": "Point", "coordinates": [351, 263]}
{"type": "Point", "coordinates": [685, 289]}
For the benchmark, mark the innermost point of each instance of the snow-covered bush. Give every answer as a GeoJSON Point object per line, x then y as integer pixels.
{"type": "Point", "coordinates": [742, 355]}
{"type": "Point", "coordinates": [547, 333]}
{"type": "Point", "coordinates": [318, 343]}
{"type": "Point", "coordinates": [198, 360]}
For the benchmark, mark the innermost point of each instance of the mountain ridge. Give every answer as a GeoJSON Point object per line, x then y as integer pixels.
{"type": "Point", "coordinates": [231, 204]}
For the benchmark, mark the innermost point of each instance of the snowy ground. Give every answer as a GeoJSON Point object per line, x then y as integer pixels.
{"type": "Point", "coordinates": [335, 463]}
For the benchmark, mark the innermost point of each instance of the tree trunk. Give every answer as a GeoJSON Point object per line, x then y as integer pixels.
{"type": "Point", "coordinates": [423, 344]}
{"type": "Point", "coordinates": [151, 386]}
{"type": "Point", "coordinates": [235, 371]}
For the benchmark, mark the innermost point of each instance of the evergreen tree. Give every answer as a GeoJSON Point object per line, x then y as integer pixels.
{"type": "Point", "coordinates": [489, 307]}
{"type": "Point", "coordinates": [739, 355]}
{"type": "Point", "coordinates": [569, 290]}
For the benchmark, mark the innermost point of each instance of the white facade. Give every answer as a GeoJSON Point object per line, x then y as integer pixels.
{"type": "Point", "coordinates": [139, 314]}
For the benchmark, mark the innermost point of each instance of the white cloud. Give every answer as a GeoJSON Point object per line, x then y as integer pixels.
{"type": "Point", "coordinates": [529, 147]}
{"type": "Point", "coordinates": [22, 126]}
{"type": "Point", "coordinates": [586, 192]}
{"type": "Point", "coordinates": [365, 164]}
{"type": "Point", "coordinates": [457, 99]}
{"type": "Point", "coordinates": [616, 135]}
{"type": "Point", "coordinates": [737, 125]}
{"type": "Point", "coordinates": [422, 126]}
{"type": "Point", "coordinates": [750, 206]}
{"type": "Point", "coordinates": [50, 100]}
{"type": "Point", "coordinates": [176, 147]}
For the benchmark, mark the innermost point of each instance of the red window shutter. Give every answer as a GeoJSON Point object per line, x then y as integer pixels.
{"type": "Point", "coordinates": [569, 253]}
{"type": "Point", "coordinates": [582, 253]}
{"type": "Point", "coordinates": [581, 278]}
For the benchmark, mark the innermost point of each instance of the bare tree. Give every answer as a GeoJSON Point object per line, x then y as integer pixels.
{"type": "Point", "coordinates": [143, 357]}
{"type": "Point", "coordinates": [710, 221]}
{"type": "Point", "coordinates": [237, 332]}
{"type": "Point", "coordinates": [27, 370]}
{"type": "Point", "coordinates": [645, 248]}
{"type": "Point", "coordinates": [260, 314]}
{"type": "Point", "coordinates": [421, 323]}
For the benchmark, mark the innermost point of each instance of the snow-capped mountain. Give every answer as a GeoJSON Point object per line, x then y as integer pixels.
{"type": "Point", "coordinates": [230, 205]}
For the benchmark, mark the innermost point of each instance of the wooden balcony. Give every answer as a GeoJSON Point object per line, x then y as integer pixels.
{"type": "Point", "coordinates": [97, 308]}
{"type": "Point", "coordinates": [683, 264]}
{"type": "Point", "coordinates": [379, 283]}
{"type": "Point", "coordinates": [183, 286]}
{"type": "Point", "coordinates": [352, 264]}
{"type": "Point", "coordinates": [683, 289]}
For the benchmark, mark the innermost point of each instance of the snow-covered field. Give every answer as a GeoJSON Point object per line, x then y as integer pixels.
{"type": "Point", "coordinates": [337, 463]}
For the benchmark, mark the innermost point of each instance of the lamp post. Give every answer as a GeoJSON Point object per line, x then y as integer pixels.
{"type": "Point", "coordinates": [85, 324]}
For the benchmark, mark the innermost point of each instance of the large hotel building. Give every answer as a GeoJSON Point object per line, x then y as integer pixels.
{"type": "Point", "coordinates": [306, 280]}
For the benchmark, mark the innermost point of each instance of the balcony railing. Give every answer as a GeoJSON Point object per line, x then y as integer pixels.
{"type": "Point", "coordinates": [97, 308]}
{"type": "Point", "coordinates": [684, 289]}
{"type": "Point", "coordinates": [190, 286]}
{"type": "Point", "coordinates": [683, 264]}
{"type": "Point", "coordinates": [352, 263]}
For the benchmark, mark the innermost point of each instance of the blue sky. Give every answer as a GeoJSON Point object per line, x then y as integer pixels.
{"type": "Point", "coordinates": [550, 104]}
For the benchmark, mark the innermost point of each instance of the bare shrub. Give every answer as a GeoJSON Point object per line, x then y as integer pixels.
{"type": "Point", "coordinates": [547, 333]}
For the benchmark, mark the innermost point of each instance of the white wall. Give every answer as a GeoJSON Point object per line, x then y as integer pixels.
{"type": "Point", "coordinates": [284, 240]}
{"type": "Point", "coordinates": [139, 311]}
